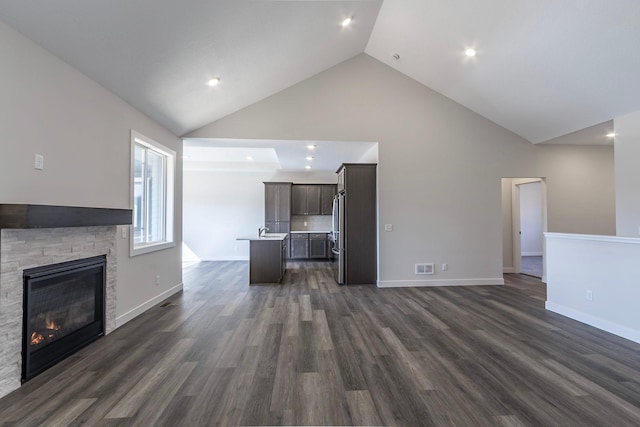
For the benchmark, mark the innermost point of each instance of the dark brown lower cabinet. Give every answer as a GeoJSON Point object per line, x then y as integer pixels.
{"type": "Point", "coordinates": [310, 245]}
{"type": "Point", "coordinates": [267, 260]}
{"type": "Point", "coordinates": [299, 245]}
{"type": "Point", "coordinates": [318, 245]}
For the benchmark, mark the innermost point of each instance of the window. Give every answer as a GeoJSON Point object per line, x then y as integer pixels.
{"type": "Point", "coordinates": [152, 167]}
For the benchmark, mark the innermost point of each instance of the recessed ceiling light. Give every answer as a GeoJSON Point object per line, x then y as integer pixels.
{"type": "Point", "coordinates": [307, 167]}
{"type": "Point", "coordinates": [311, 147]}
{"type": "Point", "coordinates": [347, 22]}
{"type": "Point", "coordinates": [309, 158]}
{"type": "Point", "coordinates": [185, 157]}
{"type": "Point", "coordinates": [470, 52]}
{"type": "Point", "coordinates": [249, 157]}
{"type": "Point", "coordinates": [611, 135]}
{"type": "Point", "coordinates": [213, 82]}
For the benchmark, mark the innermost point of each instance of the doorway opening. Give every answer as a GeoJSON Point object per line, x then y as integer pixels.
{"type": "Point", "coordinates": [524, 215]}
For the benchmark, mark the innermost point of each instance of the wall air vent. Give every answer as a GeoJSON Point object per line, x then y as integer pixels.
{"type": "Point", "coordinates": [425, 268]}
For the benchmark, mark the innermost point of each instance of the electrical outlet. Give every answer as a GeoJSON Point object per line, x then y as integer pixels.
{"type": "Point", "coordinates": [589, 295]}
{"type": "Point", "coordinates": [123, 232]}
{"type": "Point", "coordinates": [157, 279]}
{"type": "Point", "coordinates": [305, 223]}
{"type": "Point", "coordinates": [445, 267]}
{"type": "Point", "coordinates": [388, 227]}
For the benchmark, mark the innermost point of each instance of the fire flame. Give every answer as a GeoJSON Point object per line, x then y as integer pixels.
{"type": "Point", "coordinates": [36, 338]}
{"type": "Point", "coordinates": [50, 324]}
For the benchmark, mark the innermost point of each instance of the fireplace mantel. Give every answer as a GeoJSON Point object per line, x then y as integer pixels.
{"type": "Point", "coordinates": [25, 216]}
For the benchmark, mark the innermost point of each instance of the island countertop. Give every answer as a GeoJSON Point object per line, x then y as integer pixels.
{"type": "Point", "coordinates": [311, 231]}
{"type": "Point", "coordinates": [265, 236]}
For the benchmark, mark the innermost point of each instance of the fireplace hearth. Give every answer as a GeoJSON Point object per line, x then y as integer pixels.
{"type": "Point", "coordinates": [63, 311]}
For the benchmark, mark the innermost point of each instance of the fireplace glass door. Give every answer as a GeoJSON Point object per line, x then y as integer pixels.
{"type": "Point", "coordinates": [64, 311]}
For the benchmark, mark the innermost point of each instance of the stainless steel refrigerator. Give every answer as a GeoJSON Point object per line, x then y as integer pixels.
{"type": "Point", "coordinates": [355, 225]}
{"type": "Point", "coordinates": [337, 237]}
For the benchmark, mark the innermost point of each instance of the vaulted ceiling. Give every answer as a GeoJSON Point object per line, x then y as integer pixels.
{"type": "Point", "coordinates": [543, 68]}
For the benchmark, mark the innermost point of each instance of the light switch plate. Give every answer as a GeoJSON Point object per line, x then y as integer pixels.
{"type": "Point", "coordinates": [39, 162]}
{"type": "Point", "coordinates": [388, 227]}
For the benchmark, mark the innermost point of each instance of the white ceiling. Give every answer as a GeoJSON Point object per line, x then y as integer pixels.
{"type": "Point", "coordinates": [544, 68]}
{"type": "Point", "coordinates": [158, 54]}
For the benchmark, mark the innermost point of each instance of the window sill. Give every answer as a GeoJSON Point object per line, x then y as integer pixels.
{"type": "Point", "coordinates": [151, 247]}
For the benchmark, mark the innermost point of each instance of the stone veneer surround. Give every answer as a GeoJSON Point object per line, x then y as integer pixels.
{"type": "Point", "coordinates": [28, 248]}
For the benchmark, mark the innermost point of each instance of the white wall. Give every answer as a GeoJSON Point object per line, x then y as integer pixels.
{"type": "Point", "coordinates": [220, 206]}
{"type": "Point", "coordinates": [627, 154]}
{"type": "Point", "coordinates": [439, 167]}
{"type": "Point", "coordinates": [371, 156]}
{"type": "Point", "coordinates": [83, 131]}
{"type": "Point", "coordinates": [604, 265]}
{"type": "Point", "coordinates": [531, 219]}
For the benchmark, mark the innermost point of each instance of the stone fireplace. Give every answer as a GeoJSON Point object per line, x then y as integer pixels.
{"type": "Point", "coordinates": [24, 246]}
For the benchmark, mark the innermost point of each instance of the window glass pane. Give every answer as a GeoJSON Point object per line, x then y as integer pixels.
{"type": "Point", "coordinates": [138, 194]}
{"type": "Point", "coordinates": [155, 196]}
{"type": "Point", "coordinates": [152, 187]}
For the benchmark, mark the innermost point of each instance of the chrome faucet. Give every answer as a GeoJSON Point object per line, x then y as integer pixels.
{"type": "Point", "coordinates": [261, 230]}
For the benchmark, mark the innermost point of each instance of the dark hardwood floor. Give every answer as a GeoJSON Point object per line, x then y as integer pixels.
{"type": "Point", "coordinates": [309, 352]}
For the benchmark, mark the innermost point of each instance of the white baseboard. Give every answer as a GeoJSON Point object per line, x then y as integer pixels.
{"type": "Point", "coordinates": [531, 254]}
{"type": "Point", "coordinates": [508, 270]}
{"type": "Point", "coordinates": [596, 322]}
{"type": "Point", "coordinates": [439, 282]}
{"type": "Point", "coordinates": [137, 311]}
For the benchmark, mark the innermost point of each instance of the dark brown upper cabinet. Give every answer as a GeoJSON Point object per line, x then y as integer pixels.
{"type": "Point", "coordinates": [327, 192]}
{"type": "Point", "coordinates": [277, 201]}
{"type": "Point", "coordinates": [312, 199]}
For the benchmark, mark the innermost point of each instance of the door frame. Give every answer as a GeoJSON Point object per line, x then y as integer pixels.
{"type": "Point", "coordinates": [515, 222]}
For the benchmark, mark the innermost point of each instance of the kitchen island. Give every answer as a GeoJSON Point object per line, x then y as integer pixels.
{"type": "Point", "coordinates": [267, 257]}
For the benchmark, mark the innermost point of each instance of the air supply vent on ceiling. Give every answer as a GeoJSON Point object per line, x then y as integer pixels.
{"type": "Point", "coordinates": [424, 268]}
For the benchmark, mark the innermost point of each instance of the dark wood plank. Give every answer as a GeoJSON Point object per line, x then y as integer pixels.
{"type": "Point", "coordinates": [312, 352]}
{"type": "Point", "coordinates": [45, 216]}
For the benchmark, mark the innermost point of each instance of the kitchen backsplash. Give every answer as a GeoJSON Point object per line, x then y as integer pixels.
{"type": "Point", "coordinates": [314, 222]}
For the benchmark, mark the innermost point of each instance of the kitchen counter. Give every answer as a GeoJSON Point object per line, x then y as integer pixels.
{"type": "Point", "coordinates": [310, 231]}
{"type": "Point", "coordinates": [266, 236]}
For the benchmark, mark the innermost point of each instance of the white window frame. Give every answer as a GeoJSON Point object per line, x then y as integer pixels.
{"type": "Point", "coordinates": [170, 155]}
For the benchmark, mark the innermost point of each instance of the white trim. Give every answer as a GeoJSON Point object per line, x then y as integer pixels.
{"type": "Point", "coordinates": [439, 282]}
{"type": "Point", "coordinates": [515, 222]}
{"type": "Point", "coordinates": [229, 258]}
{"type": "Point", "coordinates": [151, 247]}
{"type": "Point", "coordinates": [169, 242]}
{"type": "Point", "coordinates": [515, 226]}
{"type": "Point", "coordinates": [137, 311]}
{"type": "Point", "coordinates": [531, 254]}
{"type": "Point", "coordinates": [594, 238]}
{"type": "Point", "coordinates": [508, 270]}
{"type": "Point", "coordinates": [596, 322]}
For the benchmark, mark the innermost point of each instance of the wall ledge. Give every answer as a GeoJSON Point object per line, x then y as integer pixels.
{"type": "Point", "coordinates": [25, 216]}
{"type": "Point", "coordinates": [593, 238]}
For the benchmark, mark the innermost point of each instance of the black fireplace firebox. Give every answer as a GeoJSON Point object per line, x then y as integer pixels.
{"type": "Point", "coordinates": [63, 311]}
